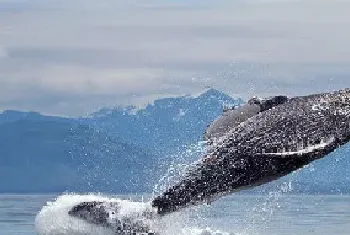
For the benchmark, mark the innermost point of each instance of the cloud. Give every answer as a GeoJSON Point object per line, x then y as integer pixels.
{"type": "Point", "coordinates": [78, 55]}
{"type": "Point", "coordinates": [3, 53]}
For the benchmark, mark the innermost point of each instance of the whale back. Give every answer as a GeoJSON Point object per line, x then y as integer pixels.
{"type": "Point", "coordinates": [300, 127]}
{"type": "Point", "coordinates": [236, 115]}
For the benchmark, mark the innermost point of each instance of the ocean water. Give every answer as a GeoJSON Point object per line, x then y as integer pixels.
{"type": "Point", "coordinates": [273, 214]}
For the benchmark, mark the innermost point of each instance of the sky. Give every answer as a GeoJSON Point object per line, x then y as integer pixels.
{"type": "Point", "coordinates": [72, 57]}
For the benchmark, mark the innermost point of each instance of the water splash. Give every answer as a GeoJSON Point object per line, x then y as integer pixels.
{"type": "Point", "coordinates": [53, 219]}
{"type": "Point", "coordinates": [179, 164]}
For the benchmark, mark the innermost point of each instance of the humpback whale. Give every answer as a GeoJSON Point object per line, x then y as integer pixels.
{"type": "Point", "coordinates": [236, 115]}
{"type": "Point", "coordinates": [259, 143]}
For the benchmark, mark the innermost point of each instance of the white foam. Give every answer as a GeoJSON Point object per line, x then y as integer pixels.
{"type": "Point", "coordinates": [53, 219]}
{"type": "Point", "coordinates": [206, 231]}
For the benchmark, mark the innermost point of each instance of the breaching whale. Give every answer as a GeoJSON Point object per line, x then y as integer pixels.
{"type": "Point", "coordinates": [265, 147]}
{"type": "Point", "coordinates": [250, 146]}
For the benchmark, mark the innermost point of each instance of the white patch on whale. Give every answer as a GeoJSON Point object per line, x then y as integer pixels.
{"type": "Point", "coordinates": [308, 149]}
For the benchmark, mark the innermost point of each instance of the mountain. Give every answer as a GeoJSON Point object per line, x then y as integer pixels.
{"type": "Point", "coordinates": [115, 150]}
{"type": "Point", "coordinates": [166, 124]}
{"type": "Point", "coordinates": [13, 115]}
{"type": "Point", "coordinates": [45, 155]}
{"type": "Point", "coordinates": [124, 149]}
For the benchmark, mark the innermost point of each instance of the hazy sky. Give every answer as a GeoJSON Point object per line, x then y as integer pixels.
{"type": "Point", "coordinates": [70, 57]}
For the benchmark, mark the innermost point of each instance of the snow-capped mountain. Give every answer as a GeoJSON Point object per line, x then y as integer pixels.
{"type": "Point", "coordinates": [125, 149]}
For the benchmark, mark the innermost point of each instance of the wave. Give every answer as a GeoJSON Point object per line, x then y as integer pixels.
{"type": "Point", "coordinates": [53, 219]}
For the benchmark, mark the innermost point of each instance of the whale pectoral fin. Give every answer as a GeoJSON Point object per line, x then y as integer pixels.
{"type": "Point", "coordinates": [107, 214]}
{"type": "Point", "coordinates": [92, 212]}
